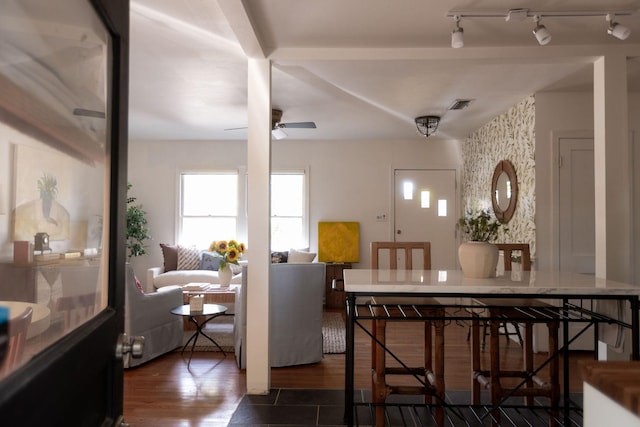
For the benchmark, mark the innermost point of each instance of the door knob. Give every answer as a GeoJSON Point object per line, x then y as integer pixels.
{"type": "Point", "coordinates": [398, 231]}
{"type": "Point", "coordinates": [131, 345]}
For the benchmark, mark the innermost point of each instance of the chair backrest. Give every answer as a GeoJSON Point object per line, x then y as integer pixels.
{"type": "Point", "coordinates": [18, 328]}
{"type": "Point", "coordinates": [508, 248]}
{"type": "Point", "coordinates": [76, 308]}
{"type": "Point", "coordinates": [407, 249]}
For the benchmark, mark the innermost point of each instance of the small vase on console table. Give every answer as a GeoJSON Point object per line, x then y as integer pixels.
{"type": "Point", "coordinates": [224, 274]}
{"type": "Point", "coordinates": [478, 260]}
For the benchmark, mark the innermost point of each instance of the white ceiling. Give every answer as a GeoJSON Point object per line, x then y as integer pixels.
{"type": "Point", "coordinates": [360, 69]}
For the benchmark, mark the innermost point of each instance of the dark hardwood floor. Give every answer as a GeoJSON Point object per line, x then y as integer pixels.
{"type": "Point", "coordinates": [166, 393]}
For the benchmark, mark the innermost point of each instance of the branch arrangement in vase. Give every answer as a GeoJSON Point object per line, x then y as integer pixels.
{"type": "Point", "coordinates": [480, 226]}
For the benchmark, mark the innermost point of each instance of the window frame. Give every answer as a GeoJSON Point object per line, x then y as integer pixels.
{"type": "Point", "coordinates": [241, 215]}
{"type": "Point", "coordinates": [305, 202]}
{"type": "Point", "coordinates": [239, 200]}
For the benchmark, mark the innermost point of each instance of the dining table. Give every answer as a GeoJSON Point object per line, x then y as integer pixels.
{"type": "Point", "coordinates": [40, 318]}
{"type": "Point", "coordinates": [578, 297]}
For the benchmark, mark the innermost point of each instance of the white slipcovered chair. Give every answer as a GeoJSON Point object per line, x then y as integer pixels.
{"type": "Point", "coordinates": [149, 315]}
{"type": "Point", "coordinates": [296, 298]}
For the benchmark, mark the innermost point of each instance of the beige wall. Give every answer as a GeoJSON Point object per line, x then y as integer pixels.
{"type": "Point", "coordinates": [348, 180]}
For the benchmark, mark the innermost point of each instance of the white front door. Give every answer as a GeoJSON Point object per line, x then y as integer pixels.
{"type": "Point", "coordinates": [425, 210]}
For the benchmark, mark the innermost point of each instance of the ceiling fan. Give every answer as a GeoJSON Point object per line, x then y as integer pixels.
{"type": "Point", "coordinates": [277, 126]}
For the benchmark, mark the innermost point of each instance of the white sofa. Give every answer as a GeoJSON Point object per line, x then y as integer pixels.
{"type": "Point", "coordinates": [295, 298]}
{"type": "Point", "coordinates": [157, 278]}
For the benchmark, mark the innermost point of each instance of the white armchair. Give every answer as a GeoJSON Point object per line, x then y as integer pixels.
{"type": "Point", "coordinates": [296, 298]}
{"type": "Point", "coordinates": [149, 315]}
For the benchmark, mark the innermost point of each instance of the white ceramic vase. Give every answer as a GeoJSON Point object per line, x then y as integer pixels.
{"type": "Point", "coordinates": [478, 260]}
{"type": "Point", "coordinates": [224, 274]}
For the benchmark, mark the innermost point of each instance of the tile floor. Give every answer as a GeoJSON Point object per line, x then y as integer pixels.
{"type": "Point", "coordinates": [302, 408]}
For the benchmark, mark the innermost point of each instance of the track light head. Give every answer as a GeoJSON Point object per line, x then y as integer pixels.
{"type": "Point", "coordinates": [457, 35]}
{"type": "Point", "coordinates": [540, 31]}
{"type": "Point", "coordinates": [617, 30]}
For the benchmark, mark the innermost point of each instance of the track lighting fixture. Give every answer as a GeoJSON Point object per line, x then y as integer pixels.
{"type": "Point", "coordinates": [540, 31]}
{"type": "Point", "coordinates": [543, 36]}
{"type": "Point", "coordinates": [617, 30]}
{"type": "Point", "coordinates": [427, 125]}
{"type": "Point", "coordinates": [457, 35]}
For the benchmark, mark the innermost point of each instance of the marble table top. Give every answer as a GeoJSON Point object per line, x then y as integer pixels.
{"type": "Point", "coordinates": [453, 282]}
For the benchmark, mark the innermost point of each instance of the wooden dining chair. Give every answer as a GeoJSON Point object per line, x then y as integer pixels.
{"type": "Point", "coordinates": [431, 374]}
{"type": "Point", "coordinates": [509, 250]}
{"type": "Point", "coordinates": [76, 308]}
{"type": "Point", "coordinates": [522, 311]}
{"type": "Point", "coordinates": [18, 328]}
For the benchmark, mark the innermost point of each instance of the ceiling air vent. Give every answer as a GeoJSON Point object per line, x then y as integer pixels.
{"type": "Point", "coordinates": [459, 104]}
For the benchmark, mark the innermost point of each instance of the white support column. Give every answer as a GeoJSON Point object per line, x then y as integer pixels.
{"type": "Point", "coordinates": [612, 167]}
{"type": "Point", "coordinates": [258, 243]}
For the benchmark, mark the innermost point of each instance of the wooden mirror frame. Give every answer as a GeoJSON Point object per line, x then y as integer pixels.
{"type": "Point", "coordinates": [504, 216]}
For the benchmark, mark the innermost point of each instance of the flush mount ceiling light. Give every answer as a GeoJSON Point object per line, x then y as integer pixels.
{"type": "Point", "coordinates": [543, 36]}
{"type": "Point", "coordinates": [617, 30]}
{"type": "Point", "coordinates": [427, 125]}
{"type": "Point", "coordinates": [457, 35]}
{"type": "Point", "coordinates": [540, 31]}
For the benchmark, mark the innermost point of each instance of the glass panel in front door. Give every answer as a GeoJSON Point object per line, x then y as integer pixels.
{"type": "Point", "coordinates": [54, 59]}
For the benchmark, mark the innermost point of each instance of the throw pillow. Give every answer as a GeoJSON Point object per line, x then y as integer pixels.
{"type": "Point", "coordinates": [235, 268]}
{"type": "Point", "coordinates": [188, 258]}
{"type": "Point", "coordinates": [170, 254]}
{"type": "Point", "coordinates": [210, 261]}
{"type": "Point", "coordinates": [300, 256]}
{"type": "Point", "coordinates": [279, 257]}
{"type": "Point", "coordinates": [139, 285]}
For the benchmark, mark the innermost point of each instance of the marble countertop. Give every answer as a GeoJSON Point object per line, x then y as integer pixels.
{"type": "Point", "coordinates": [533, 283]}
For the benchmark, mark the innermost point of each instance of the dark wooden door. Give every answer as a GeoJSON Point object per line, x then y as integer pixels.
{"type": "Point", "coordinates": [63, 93]}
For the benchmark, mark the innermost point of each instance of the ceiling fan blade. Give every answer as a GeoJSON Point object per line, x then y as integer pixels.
{"type": "Point", "coordinates": [299, 125]}
{"type": "Point", "coordinates": [236, 128]}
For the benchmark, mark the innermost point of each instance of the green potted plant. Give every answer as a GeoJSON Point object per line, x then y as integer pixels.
{"type": "Point", "coordinates": [137, 230]}
{"type": "Point", "coordinates": [477, 255]}
{"type": "Point", "coordinates": [48, 189]}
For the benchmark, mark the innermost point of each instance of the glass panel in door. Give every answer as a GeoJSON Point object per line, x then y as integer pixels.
{"type": "Point", "coordinates": [63, 121]}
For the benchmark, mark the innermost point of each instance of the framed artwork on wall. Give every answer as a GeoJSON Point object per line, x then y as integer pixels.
{"type": "Point", "coordinates": [339, 242]}
{"type": "Point", "coordinates": [42, 189]}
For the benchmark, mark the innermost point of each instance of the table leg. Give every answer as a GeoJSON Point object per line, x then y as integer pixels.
{"type": "Point", "coordinates": [199, 331]}
{"type": "Point", "coordinates": [207, 336]}
{"type": "Point", "coordinates": [349, 361]}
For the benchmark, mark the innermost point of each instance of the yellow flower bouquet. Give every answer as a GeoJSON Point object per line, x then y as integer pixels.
{"type": "Point", "coordinates": [229, 251]}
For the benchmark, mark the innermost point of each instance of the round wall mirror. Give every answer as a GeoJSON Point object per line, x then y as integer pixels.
{"type": "Point", "coordinates": [504, 191]}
